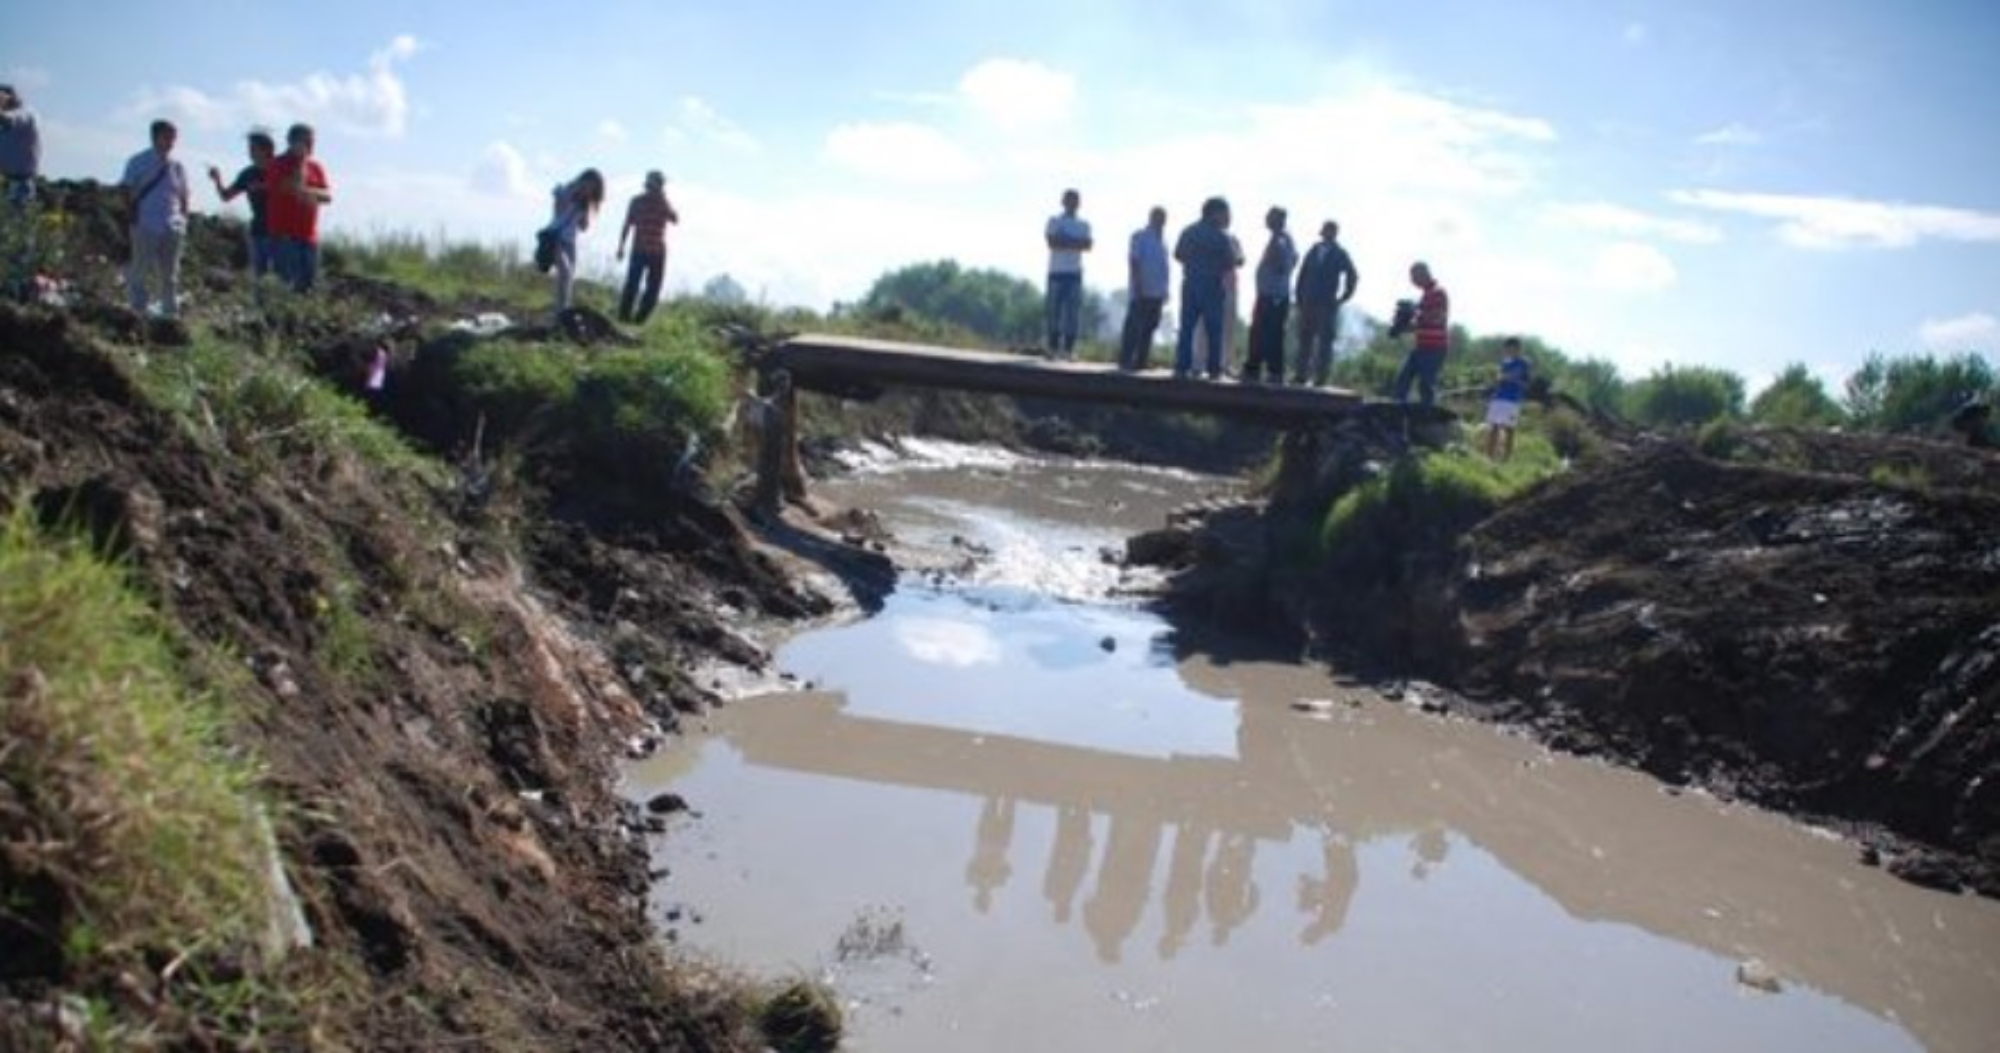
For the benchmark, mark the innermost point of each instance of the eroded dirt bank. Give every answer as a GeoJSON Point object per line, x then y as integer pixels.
{"type": "Point", "coordinates": [437, 722]}
{"type": "Point", "coordinates": [1822, 638]}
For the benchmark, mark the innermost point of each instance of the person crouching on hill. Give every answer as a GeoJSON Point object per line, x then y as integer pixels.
{"type": "Point", "coordinates": [575, 205]}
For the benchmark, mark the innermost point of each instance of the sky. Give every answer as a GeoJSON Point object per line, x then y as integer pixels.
{"type": "Point", "coordinates": [1743, 184]}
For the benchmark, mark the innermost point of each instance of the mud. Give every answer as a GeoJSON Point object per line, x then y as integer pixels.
{"type": "Point", "coordinates": [1819, 633]}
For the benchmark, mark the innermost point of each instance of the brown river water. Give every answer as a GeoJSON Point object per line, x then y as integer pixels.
{"type": "Point", "coordinates": [1011, 811]}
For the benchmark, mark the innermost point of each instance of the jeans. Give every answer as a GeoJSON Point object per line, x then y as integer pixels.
{"type": "Point", "coordinates": [1319, 327]}
{"type": "Point", "coordinates": [1423, 367]}
{"type": "Point", "coordinates": [1065, 310]}
{"type": "Point", "coordinates": [1142, 320]}
{"type": "Point", "coordinates": [263, 255]}
{"type": "Point", "coordinates": [297, 262]}
{"type": "Point", "coordinates": [1267, 339]}
{"type": "Point", "coordinates": [649, 269]}
{"type": "Point", "coordinates": [156, 261]}
{"type": "Point", "coordinates": [1201, 306]}
{"type": "Point", "coordinates": [565, 276]}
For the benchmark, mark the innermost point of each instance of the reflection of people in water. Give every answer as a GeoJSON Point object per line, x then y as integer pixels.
{"type": "Point", "coordinates": [1431, 845]}
{"type": "Point", "coordinates": [1326, 900]}
{"type": "Point", "coordinates": [1124, 884]}
{"type": "Point", "coordinates": [1068, 860]}
{"type": "Point", "coordinates": [1230, 892]}
{"type": "Point", "coordinates": [989, 869]}
{"type": "Point", "coordinates": [1182, 905]}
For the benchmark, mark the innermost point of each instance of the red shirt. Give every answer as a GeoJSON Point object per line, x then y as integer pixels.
{"type": "Point", "coordinates": [292, 216]}
{"type": "Point", "coordinates": [648, 216]}
{"type": "Point", "coordinates": [1434, 320]}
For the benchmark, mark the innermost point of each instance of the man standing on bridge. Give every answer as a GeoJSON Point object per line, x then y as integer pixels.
{"type": "Point", "coordinates": [1433, 338]}
{"type": "Point", "coordinates": [1274, 303]}
{"type": "Point", "coordinates": [1207, 254]}
{"type": "Point", "coordinates": [1326, 280]}
{"type": "Point", "coordinates": [1146, 291]}
{"type": "Point", "coordinates": [1068, 236]}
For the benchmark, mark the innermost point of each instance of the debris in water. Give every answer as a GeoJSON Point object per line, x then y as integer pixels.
{"type": "Point", "coordinates": [1753, 973]}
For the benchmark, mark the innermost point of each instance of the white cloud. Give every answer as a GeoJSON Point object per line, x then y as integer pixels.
{"type": "Point", "coordinates": [899, 150]}
{"type": "Point", "coordinates": [1731, 134]}
{"type": "Point", "coordinates": [502, 170]}
{"type": "Point", "coordinates": [611, 131]}
{"type": "Point", "coordinates": [1633, 266]}
{"type": "Point", "coordinates": [947, 643]}
{"type": "Point", "coordinates": [1841, 223]}
{"type": "Point", "coordinates": [1977, 331]}
{"type": "Point", "coordinates": [695, 120]}
{"type": "Point", "coordinates": [1632, 223]}
{"type": "Point", "coordinates": [1019, 95]}
{"type": "Point", "coordinates": [372, 103]}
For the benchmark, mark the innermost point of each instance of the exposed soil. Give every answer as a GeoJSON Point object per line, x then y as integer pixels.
{"type": "Point", "coordinates": [1803, 636]}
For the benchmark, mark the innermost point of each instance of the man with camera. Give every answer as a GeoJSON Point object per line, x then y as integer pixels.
{"type": "Point", "coordinates": [1430, 319]}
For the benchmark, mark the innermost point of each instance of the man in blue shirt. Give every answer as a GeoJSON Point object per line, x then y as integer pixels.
{"type": "Point", "coordinates": [1503, 411]}
{"type": "Point", "coordinates": [1207, 255]}
{"type": "Point", "coordinates": [1326, 280]}
{"type": "Point", "coordinates": [1146, 291]}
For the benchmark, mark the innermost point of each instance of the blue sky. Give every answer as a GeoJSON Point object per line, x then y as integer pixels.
{"type": "Point", "coordinates": [1741, 184]}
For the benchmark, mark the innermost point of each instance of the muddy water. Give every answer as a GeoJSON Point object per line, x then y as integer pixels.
{"type": "Point", "coordinates": [1010, 814]}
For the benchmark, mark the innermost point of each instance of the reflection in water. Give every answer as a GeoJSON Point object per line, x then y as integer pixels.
{"type": "Point", "coordinates": [1450, 888]}
{"type": "Point", "coordinates": [1068, 860]}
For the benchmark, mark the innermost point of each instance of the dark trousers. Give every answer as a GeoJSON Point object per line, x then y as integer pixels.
{"type": "Point", "coordinates": [1142, 320]}
{"type": "Point", "coordinates": [649, 269]}
{"type": "Point", "coordinates": [1267, 339]}
{"type": "Point", "coordinates": [1319, 327]}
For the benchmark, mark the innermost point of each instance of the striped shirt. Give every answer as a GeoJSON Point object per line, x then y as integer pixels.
{"type": "Point", "coordinates": [647, 218]}
{"type": "Point", "coordinates": [1434, 320]}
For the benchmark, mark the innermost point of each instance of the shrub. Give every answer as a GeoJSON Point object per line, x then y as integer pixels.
{"type": "Point", "coordinates": [1421, 504]}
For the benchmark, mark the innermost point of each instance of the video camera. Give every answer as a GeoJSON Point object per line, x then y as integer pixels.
{"type": "Point", "coordinates": [1405, 320]}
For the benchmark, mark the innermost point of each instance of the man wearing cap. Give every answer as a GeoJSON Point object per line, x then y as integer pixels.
{"type": "Point", "coordinates": [646, 220]}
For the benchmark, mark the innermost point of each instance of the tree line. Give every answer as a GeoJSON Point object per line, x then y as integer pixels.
{"type": "Point", "coordinates": [1906, 393]}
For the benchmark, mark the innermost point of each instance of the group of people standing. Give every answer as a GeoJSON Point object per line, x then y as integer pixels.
{"type": "Point", "coordinates": [1318, 282]}
{"type": "Point", "coordinates": [285, 192]}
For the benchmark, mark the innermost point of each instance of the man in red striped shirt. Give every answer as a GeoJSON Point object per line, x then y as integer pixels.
{"type": "Point", "coordinates": [646, 220]}
{"type": "Point", "coordinates": [1433, 337]}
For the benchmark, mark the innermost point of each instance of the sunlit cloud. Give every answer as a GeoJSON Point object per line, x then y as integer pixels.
{"type": "Point", "coordinates": [502, 170]}
{"type": "Point", "coordinates": [697, 122]}
{"type": "Point", "coordinates": [1731, 134]}
{"type": "Point", "coordinates": [1844, 223]}
{"type": "Point", "coordinates": [1634, 266]}
{"type": "Point", "coordinates": [1608, 218]}
{"type": "Point", "coordinates": [958, 645]}
{"type": "Point", "coordinates": [899, 150]}
{"type": "Point", "coordinates": [371, 103]}
{"type": "Point", "coordinates": [1977, 331]}
{"type": "Point", "coordinates": [611, 131]}
{"type": "Point", "coordinates": [1018, 95]}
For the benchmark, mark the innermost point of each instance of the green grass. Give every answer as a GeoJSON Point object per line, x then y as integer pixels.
{"type": "Point", "coordinates": [265, 407]}
{"type": "Point", "coordinates": [1426, 501]}
{"type": "Point", "coordinates": [446, 269]}
{"type": "Point", "coordinates": [132, 825]}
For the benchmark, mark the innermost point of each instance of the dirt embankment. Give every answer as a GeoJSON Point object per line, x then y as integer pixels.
{"type": "Point", "coordinates": [438, 723]}
{"type": "Point", "coordinates": [1822, 638]}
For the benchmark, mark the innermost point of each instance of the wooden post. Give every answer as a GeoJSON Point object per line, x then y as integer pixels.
{"type": "Point", "coordinates": [779, 474]}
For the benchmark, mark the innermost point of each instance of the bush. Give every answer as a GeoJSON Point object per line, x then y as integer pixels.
{"type": "Point", "coordinates": [1421, 504]}
{"type": "Point", "coordinates": [1685, 396]}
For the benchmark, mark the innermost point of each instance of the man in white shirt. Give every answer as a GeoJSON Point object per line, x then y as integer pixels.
{"type": "Point", "coordinates": [1145, 290]}
{"type": "Point", "coordinates": [156, 197]}
{"type": "Point", "coordinates": [1274, 301]}
{"type": "Point", "coordinates": [1068, 236]}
